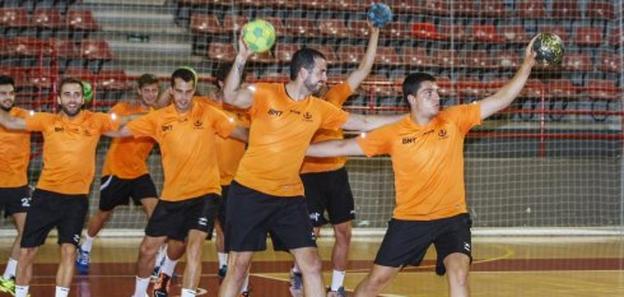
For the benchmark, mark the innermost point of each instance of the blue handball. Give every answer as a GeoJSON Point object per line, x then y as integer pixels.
{"type": "Point", "coordinates": [379, 14]}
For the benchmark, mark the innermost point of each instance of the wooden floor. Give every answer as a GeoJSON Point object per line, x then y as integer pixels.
{"type": "Point", "coordinates": [527, 267]}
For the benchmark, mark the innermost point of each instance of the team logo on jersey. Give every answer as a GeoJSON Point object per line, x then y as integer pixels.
{"type": "Point", "coordinates": [408, 140]}
{"type": "Point", "coordinates": [274, 112]}
{"type": "Point", "coordinates": [166, 128]}
{"type": "Point", "coordinates": [59, 129]}
{"type": "Point", "coordinates": [442, 133]}
{"type": "Point", "coordinates": [307, 116]}
{"type": "Point", "coordinates": [198, 124]}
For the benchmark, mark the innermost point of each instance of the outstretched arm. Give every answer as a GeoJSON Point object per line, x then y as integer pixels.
{"type": "Point", "coordinates": [358, 122]}
{"type": "Point", "coordinates": [240, 133]}
{"type": "Point", "coordinates": [233, 94]}
{"type": "Point", "coordinates": [357, 77]}
{"type": "Point", "coordinates": [10, 122]}
{"type": "Point", "coordinates": [335, 148]}
{"type": "Point", "coordinates": [511, 90]}
{"type": "Point", "coordinates": [122, 132]}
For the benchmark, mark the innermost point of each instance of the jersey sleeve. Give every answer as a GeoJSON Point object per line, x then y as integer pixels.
{"type": "Point", "coordinates": [338, 94]}
{"type": "Point", "coordinates": [38, 121]}
{"type": "Point", "coordinates": [260, 95]}
{"type": "Point", "coordinates": [465, 116]}
{"type": "Point", "coordinates": [222, 123]}
{"type": "Point", "coordinates": [144, 126]}
{"type": "Point", "coordinates": [332, 117]}
{"type": "Point", "coordinates": [377, 142]}
{"type": "Point", "coordinates": [108, 122]}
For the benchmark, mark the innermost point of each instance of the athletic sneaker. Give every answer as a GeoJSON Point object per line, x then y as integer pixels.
{"type": "Point", "coordinates": [221, 273]}
{"type": "Point", "coordinates": [161, 287]}
{"type": "Point", "coordinates": [7, 285]}
{"type": "Point", "coordinates": [82, 261]}
{"type": "Point", "coordinates": [338, 293]}
{"type": "Point", "coordinates": [296, 284]}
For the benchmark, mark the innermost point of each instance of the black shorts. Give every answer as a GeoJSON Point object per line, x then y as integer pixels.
{"type": "Point", "coordinates": [329, 191]}
{"type": "Point", "coordinates": [223, 204]}
{"type": "Point", "coordinates": [406, 242]}
{"type": "Point", "coordinates": [176, 219]}
{"type": "Point", "coordinates": [48, 210]}
{"type": "Point", "coordinates": [116, 191]}
{"type": "Point", "coordinates": [251, 215]}
{"type": "Point", "coordinates": [14, 200]}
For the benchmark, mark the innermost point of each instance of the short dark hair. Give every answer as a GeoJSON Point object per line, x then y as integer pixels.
{"type": "Point", "coordinates": [304, 58]}
{"type": "Point", "coordinates": [7, 80]}
{"type": "Point", "coordinates": [413, 81]}
{"type": "Point", "coordinates": [69, 81]}
{"type": "Point", "coordinates": [186, 74]}
{"type": "Point", "coordinates": [147, 79]}
{"type": "Point", "coordinates": [223, 70]}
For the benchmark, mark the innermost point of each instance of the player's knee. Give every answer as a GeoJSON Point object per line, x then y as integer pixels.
{"type": "Point", "coordinates": [311, 265]}
{"type": "Point", "coordinates": [377, 281]}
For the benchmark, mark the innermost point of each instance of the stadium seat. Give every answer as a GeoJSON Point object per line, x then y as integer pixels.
{"type": "Point", "coordinates": [507, 60]}
{"type": "Point", "coordinates": [350, 54]}
{"type": "Point", "coordinates": [531, 9]}
{"type": "Point", "coordinates": [560, 88]}
{"type": "Point", "coordinates": [425, 31]}
{"type": "Point", "coordinates": [80, 73]}
{"type": "Point", "coordinates": [112, 80]}
{"type": "Point", "coordinates": [470, 87]}
{"type": "Point", "coordinates": [465, 7]}
{"type": "Point", "coordinates": [348, 5]}
{"type": "Point", "coordinates": [303, 27]}
{"type": "Point", "coordinates": [205, 24]}
{"type": "Point", "coordinates": [439, 7]}
{"type": "Point", "coordinates": [221, 51]}
{"type": "Point", "coordinates": [447, 87]}
{"type": "Point", "coordinates": [492, 8]}
{"type": "Point", "coordinates": [284, 52]}
{"type": "Point", "coordinates": [615, 37]}
{"type": "Point", "coordinates": [387, 56]}
{"type": "Point", "coordinates": [485, 33]}
{"type": "Point", "coordinates": [588, 36]}
{"type": "Point", "coordinates": [233, 23]}
{"type": "Point", "coordinates": [63, 48]}
{"type": "Point", "coordinates": [81, 20]}
{"type": "Point", "coordinates": [397, 30]}
{"type": "Point", "coordinates": [416, 57]}
{"type": "Point", "coordinates": [13, 18]}
{"type": "Point", "coordinates": [19, 74]}
{"type": "Point", "coordinates": [334, 28]}
{"type": "Point", "coordinates": [580, 62]}
{"type": "Point", "coordinates": [565, 9]}
{"type": "Point", "coordinates": [315, 4]}
{"type": "Point", "coordinates": [477, 59]}
{"type": "Point", "coordinates": [95, 50]}
{"type": "Point", "coordinates": [600, 10]}
{"type": "Point", "coordinates": [446, 59]}
{"type": "Point", "coordinates": [42, 77]}
{"type": "Point", "coordinates": [602, 89]}
{"type": "Point", "coordinates": [610, 62]}
{"type": "Point", "coordinates": [47, 19]}
{"type": "Point", "coordinates": [513, 34]}
{"type": "Point", "coordinates": [559, 30]}
{"type": "Point", "coordinates": [378, 85]}
{"type": "Point", "coordinates": [454, 32]}
{"type": "Point", "coordinates": [359, 29]}
{"type": "Point", "coordinates": [265, 57]}
{"type": "Point", "coordinates": [533, 89]}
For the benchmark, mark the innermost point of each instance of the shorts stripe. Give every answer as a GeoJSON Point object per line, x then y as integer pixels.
{"type": "Point", "coordinates": [106, 183]}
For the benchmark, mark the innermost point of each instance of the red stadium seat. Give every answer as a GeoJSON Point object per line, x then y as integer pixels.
{"type": "Point", "coordinates": [477, 59]}
{"type": "Point", "coordinates": [587, 36]}
{"type": "Point", "coordinates": [492, 8]}
{"type": "Point", "coordinates": [485, 33]}
{"type": "Point", "coordinates": [533, 89]}
{"type": "Point", "coordinates": [560, 88]}
{"type": "Point", "coordinates": [615, 36]}
{"type": "Point", "coordinates": [47, 18]}
{"type": "Point", "coordinates": [26, 47]}
{"type": "Point", "coordinates": [470, 87]}
{"type": "Point", "coordinates": [19, 74]}
{"type": "Point", "coordinates": [204, 24]}
{"type": "Point", "coordinates": [465, 7]}
{"type": "Point", "coordinates": [80, 73]}
{"type": "Point", "coordinates": [265, 57]}
{"type": "Point", "coordinates": [425, 31]}
{"type": "Point", "coordinates": [565, 9]}
{"type": "Point", "coordinates": [327, 51]}
{"type": "Point", "coordinates": [221, 51]}
{"type": "Point", "coordinates": [233, 23]}
{"type": "Point", "coordinates": [92, 49]}
{"type": "Point", "coordinates": [610, 62]}
{"type": "Point", "coordinates": [359, 28]}
{"type": "Point", "coordinates": [602, 89]}
{"type": "Point", "coordinates": [333, 28]}
{"type": "Point", "coordinates": [440, 7]}
{"type": "Point", "coordinates": [446, 59]}
{"type": "Point", "coordinates": [42, 77]}
{"type": "Point", "coordinates": [284, 52]}
{"type": "Point", "coordinates": [455, 32]}
{"type": "Point", "coordinates": [350, 54]}
{"type": "Point", "coordinates": [63, 48]}
{"type": "Point", "coordinates": [506, 60]}
{"type": "Point", "coordinates": [416, 56]}
{"type": "Point", "coordinates": [377, 85]}
{"type": "Point", "coordinates": [531, 9]}
{"type": "Point", "coordinates": [348, 5]}
{"type": "Point", "coordinates": [13, 18]}
{"type": "Point", "coordinates": [600, 10]}
{"type": "Point", "coordinates": [303, 27]}
{"type": "Point", "coordinates": [577, 62]}
{"type": "Point", "coordinates": [113, 80]}
{"type": "Point", "coordinates": [397, 30]}
{"type": "Point", "coordinates": [387, 56]}
{"type": "Point", "coordinates": [81, 20]}
{"type": "Point", "coordinates": [513, 34]}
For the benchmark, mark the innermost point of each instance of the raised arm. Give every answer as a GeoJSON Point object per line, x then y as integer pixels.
{"type": "Point", "coordinates": [335, 148]}
{"type": "Point", "coordinates": [503, 97]}
{"type": "Point", "coordinates": [240, 133]}
{"type": "Point", "coordinates": [357, 77]}
{"type": "Point", "coordinates": [233, 94]}
{"type": "Point", "coordinates": [10, 122]}
{"type": "Point", "coordinates": [358, 122]}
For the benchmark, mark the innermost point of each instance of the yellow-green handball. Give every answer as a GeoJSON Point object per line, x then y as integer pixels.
{"type": "Point", "coordinates": [87, 91]}
{"type": "Point", "coordinates": [259, 35]}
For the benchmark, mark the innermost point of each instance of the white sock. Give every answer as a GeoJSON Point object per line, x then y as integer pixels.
{"type": "Point", "coordinates": [9, 272]}
{"type": "Point", "coordinates": [87, 244]}
{"type": "Point", "coordinates": [295, 268]}
{"type": "Point", "coordinates": [61, 292]}
{"type": "Point", "coordinates": [140, 286]}
{"type": "Point", "coordinates": [245, 286]}
{"type": "Point", "coordinates": [188, 293]}
{"type": "Point", "coordinates": [337, 280]}
{"type": "Point", "coordinates": [162, 252]}
{"type": "Point", "coordinates": [223, 257]}
{"type": "Point", "coordinates": [21, 291]}
{"type": "Point", "coordinates": [169, 266]}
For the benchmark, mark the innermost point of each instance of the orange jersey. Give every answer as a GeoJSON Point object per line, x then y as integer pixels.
{"type": "Point", "coordinates": [126, 156]}
{"type": "Point", "coordinates": [337, 96]}
{"type": "Point", "coordinates": [428, 162]}
{"type": "Point", "coordinates": [14, 154]}
{"type": "Point", "coordinates": [187, 145]}
{"type": "Point", "coordinates": [69, 146]}
{"type": "Point", "coordinates": [280, 132]}
{"type": "Point", "coordinates": [229, 150]}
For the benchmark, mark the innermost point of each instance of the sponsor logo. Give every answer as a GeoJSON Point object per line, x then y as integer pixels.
{"type": "Point", "coordinates": [295, 111]}
{"type": "Point", "coordinates": [203, 221]}
{"type": "Point", "coordinates": [408, 140]}
{"type": "Point", "coordinates": [59, 129]}
{"type": "Point", "coordinates": [352, 212]}
{"type": "Point", "coordinates": [315, 216]}
{"type": "Point", "coordinates": [76, 238]}
{"type": "Point", "coordinates": [198, 124]}
{"type": "Point", "coordinates": [313, 236]}
{"type": "Point", "coordinates": [467, 246]}
{"type": "Point", "coordinates": [442, 133]}
{"type": "Point", "coordinates": [307, 116]}
{"type": "Point", "coordinates": [274, 112]}
{"type": "Point", "coordinates": [166, 128]}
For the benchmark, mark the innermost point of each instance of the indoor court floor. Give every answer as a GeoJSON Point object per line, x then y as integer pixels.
{"type": "Point", "coordinates": [503, 266]}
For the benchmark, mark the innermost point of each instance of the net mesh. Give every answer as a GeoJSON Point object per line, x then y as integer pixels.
{"type": "Point", "coordinates": [553, 159]}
